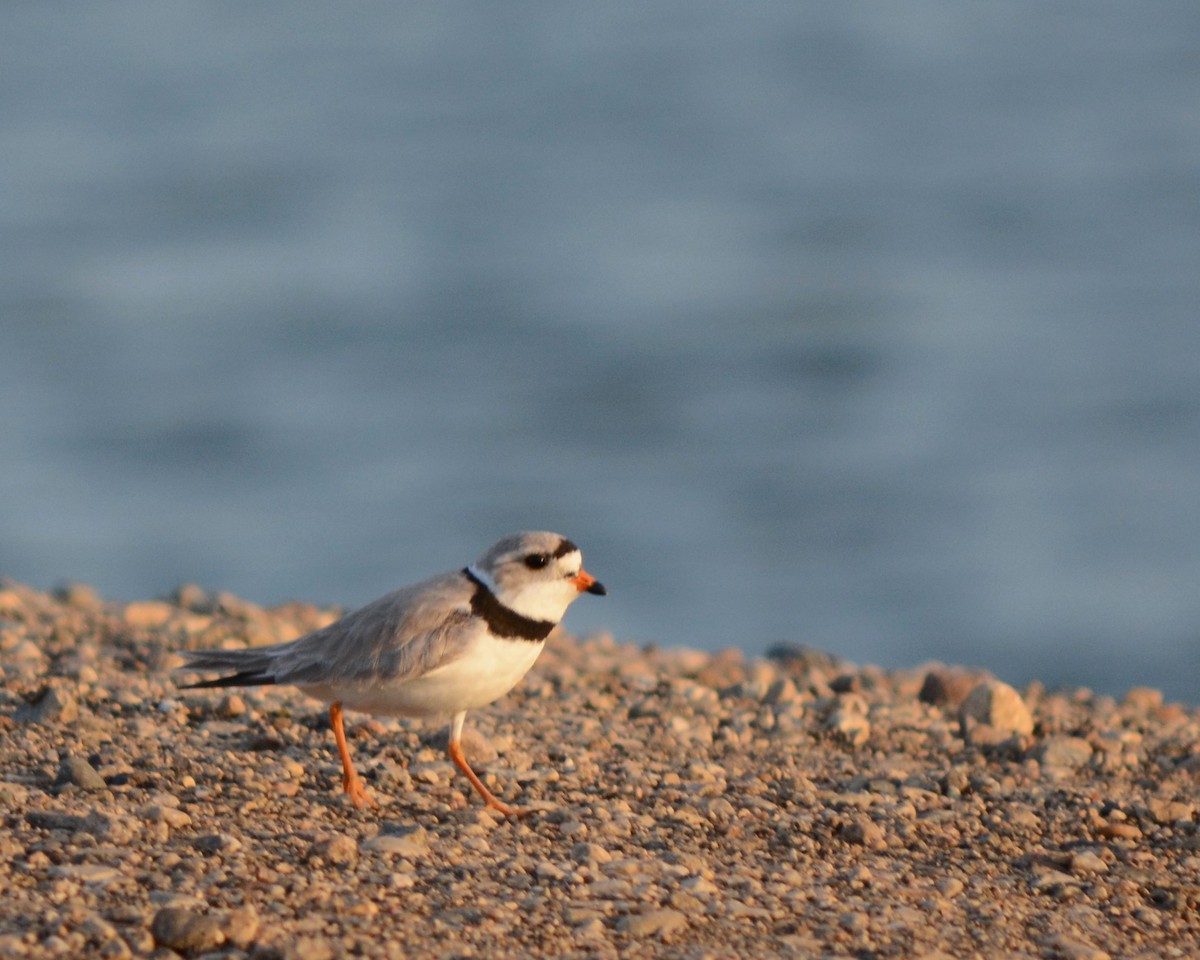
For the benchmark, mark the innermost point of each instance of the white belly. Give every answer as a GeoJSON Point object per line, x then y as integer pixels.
{"type": "Point", "coordinates": [485, 672]}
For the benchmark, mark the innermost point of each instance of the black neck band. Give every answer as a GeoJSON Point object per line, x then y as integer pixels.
{"type": "Point", "coordinates": [502, 621]}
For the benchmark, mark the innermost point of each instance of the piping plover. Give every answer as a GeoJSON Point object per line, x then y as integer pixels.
{"type": "Point", "coordinates": [440, 647]}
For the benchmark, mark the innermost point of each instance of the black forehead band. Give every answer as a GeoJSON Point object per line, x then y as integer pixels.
{"type": "Point", "coordinates": [565, 547]}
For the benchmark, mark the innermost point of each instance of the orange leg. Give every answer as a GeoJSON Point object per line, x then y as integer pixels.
{"type": "Point", "coordinates": [460, 761]}
{"type": "Point", "coordinates": [350, 782]}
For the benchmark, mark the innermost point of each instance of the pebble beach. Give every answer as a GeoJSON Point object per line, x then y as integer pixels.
{"type": "Point", "coordinates": [683, 804]}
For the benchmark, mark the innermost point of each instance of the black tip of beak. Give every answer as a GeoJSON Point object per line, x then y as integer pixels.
{"type": "Point", "coordinates": [598, 589]}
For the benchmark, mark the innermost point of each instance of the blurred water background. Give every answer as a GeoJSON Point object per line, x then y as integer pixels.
{"type": "Point", "coordinates": [868, 327]}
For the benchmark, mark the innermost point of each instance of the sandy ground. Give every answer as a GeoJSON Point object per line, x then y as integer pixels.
{"type": "Point", "coordinates": [685, 805]}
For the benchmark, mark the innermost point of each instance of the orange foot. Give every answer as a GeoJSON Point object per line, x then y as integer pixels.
{"type": "Point", "coordinates": [357, 792]}
{"type": "Point", "coordinates": [504, 809]}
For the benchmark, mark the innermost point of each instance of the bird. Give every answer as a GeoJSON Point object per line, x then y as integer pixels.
{"type": "Point", "coordinates": [452, 643]}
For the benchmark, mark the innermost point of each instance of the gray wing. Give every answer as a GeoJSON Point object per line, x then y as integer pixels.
{"type": "Point", "coordinates": [403, 634]}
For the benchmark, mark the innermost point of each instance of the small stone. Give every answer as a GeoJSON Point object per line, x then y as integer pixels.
{"type": "Point", "coordinates": [94, 823]}
{"type": "Point", "coordinates": [739, 908]}
{"type": "Point", "coordinates": [1068, 947]}
{"type": "Point", "coordinates": [780, 692]}
{"type": "Point", "coordinates": [700, 887]}
{"type": "Point", "coordinates": [1119, 831]}
{"type": "Point", "coordinates": [610, 890]}
{"type": "Point", "coordinates": [413, 842]}
{"type": "Point", "coordinates": [173, 817]}
{"type": "Point", "coordinates": [52, 705]}
{"type": "Point", "coordinates": [854, 921]}
{"type": "Point", "coordinates": [191, 596]}
{"type": "Point", "coordinates": [13, 795]}
{"type": "Point", "coordinates": [81, 596]}
{"type": "Point", "coordinates": [718, 810]}
{"type": "Point", "coordinates": [148, 613]}
{"type": "Point", "coordinates": [946, 687]}
{"type": "Point", "coordinates": [231, 706]}
{"type": "Point", "coordinates": [590, 929]}
{"type": "Point", "coordinates": [865, 832]}
{"type": "Point", "coordinates": [659, 923]}
{"type": "Point", "coordinates": [848, 724]}
{"type": "Point", "coordinates": [1087, 862]}
{"type": "Point", "coordinates": [337, 851]}
{"type": "Point", "coordinates": [241, 926]}
{"type": "Point", "coordinates": [24, 652]}
{"type": "Point", "coordinates": [1167, 812]}
{"type": "Point", "coordinates": [1052, 881]}
{"type": "Point", "coordinates": [687, 904]}
{"type": "Point", "coordinates": [846, 683]}
{"type": "Point", "coordinates": [997, 705]}
{"type": "Point", "coordinates": [1143, 698]}
{"type": "Point", "coordinates": [80, 773]}
{"type": "Point", "coordinates": [949, 887]}
{"type": "Point", "coordinates": [217, 843]}
{"type": "Point", "coordinates": [309, 948]}
{"type": "Point", "coordinates": [545, 870]}
{"type": "Point", "coordinates": [1068, 752]}
{"type": "Point", "coordinates": [96, 873]}
{"type": "Point", "coordinates": [186, 931]}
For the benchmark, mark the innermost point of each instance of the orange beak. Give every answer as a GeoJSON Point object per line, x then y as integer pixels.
{"type": "Point", "coordinates": [586, 583]}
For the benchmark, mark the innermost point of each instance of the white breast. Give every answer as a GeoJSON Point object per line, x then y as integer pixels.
{"type": "Point", "coordinates": [487, 670]}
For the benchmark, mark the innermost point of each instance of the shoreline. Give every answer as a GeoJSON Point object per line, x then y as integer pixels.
{"type": "Point", "coordinates": [686, 804]}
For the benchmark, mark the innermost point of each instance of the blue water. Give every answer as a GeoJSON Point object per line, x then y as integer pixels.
{"type": "Point", "coordinates": [868, 328]}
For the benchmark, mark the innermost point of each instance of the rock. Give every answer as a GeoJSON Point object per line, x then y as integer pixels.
{"type": "Point", "coordinates": [309, 948]}
{"type": "Point", "coordinates": [590, 929]}
{"type": "Point", "coordinates": [81, 596]}
{"type": "Point", "coordinates": [411, 842]}
{"type": "Point", "coordinates": [1087, 862]}
{"type": "Point", "coordinates": [660, 923]}
{"type": "Point", "coordinates": [782, 691]}
{"type": "Point", "coordinates": [1067, 947]}
{"type": "Point", "coordinates": [949, 887]}
{"type": "Point", "coordinates": [865, 832]}
{"type": "Point", "coordinates": [591, 853]}
{"type": "Point", "coordinates": [186, 931]}
{"type": "Point", "coordinates": [847, 722]}
{"type": "Point", "coordinates": [1070, 752]}
{"type": "Point", "coordinates": [80, 773]}
{"type": "Point", "coordinates": [172, 816]}
{"type": "Point", "coordinates": [217, 843]}
{"type": "Point", "coordinates": [88, 873]}
{"type": "Point", "coordinates": [851, 727]}
{"type": "Point", "coordinates": [148, 613]}
{"type": "Point", "coordinates": [1167, 812]}
{"type": "Point", "coordinates": [996, 705]}
{"type": "Point", "coordinates": [945, 687]}
{"type": "Point", "coordinates": [231, 706]}
{"type": "Point", "coordinates": [52, 705]}
{"type": "Point", "coordinates": [1119, 830]}
{"type": "Point", "coordinates": [855, 922]}
{"type": "Point", "coordinates": [94, 823]}
{"type": "Point", "coordinates": [26, 653]}
{"type": "Point", "coordinates": [1143, 698]}
{"type": "Point", "coordinates": [338, 851]}
{"type": "Point", "coordinates": [241, 926]}
{"type": "Point", "coordinates": [1053, 881]}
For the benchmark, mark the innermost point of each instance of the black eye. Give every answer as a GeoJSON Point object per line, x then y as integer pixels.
{"type": "Point", "coordinates": [535, 561]}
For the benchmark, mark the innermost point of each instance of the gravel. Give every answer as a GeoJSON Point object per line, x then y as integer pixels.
{"type": "Point", "coordinates": [685, 804]}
